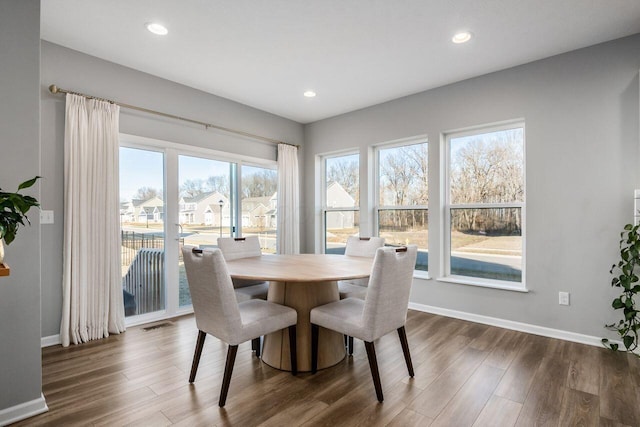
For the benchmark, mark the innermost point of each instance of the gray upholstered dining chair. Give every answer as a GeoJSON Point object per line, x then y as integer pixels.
{"type": "Point", "coordinates": [362, 247]}
{"type": "Point", "coordinates": [365, 247]}
{"type": "Point", "coordinates": [218, 312]}
{"type": "Point", "coordinates": [245, 247]}
{"type": "Point", "coordinates": [383, 310]}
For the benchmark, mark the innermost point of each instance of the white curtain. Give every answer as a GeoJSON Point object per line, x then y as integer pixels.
{"type": "Point", "coordinates": [288, 200]}
{"type": "Point", "coordinates": [92, 302]}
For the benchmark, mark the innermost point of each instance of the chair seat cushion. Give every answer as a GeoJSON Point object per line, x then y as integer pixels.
{"type": "Point", "coordinates": [344, 316]}
{"type": "Point", "coordinates": [351, 290]}
{"type": "Point", "coordinates": [258, 291]}
{"type": "Point", "coordinates": [262, 317]}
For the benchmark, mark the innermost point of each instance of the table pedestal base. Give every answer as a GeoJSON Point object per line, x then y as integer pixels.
{"type": "Point", "coordinates": [303, 296]}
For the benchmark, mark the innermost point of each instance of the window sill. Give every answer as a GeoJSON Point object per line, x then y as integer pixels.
{"type": "Point", "coordinates": [421, 274]}
{"type": "Point", "coordinates": [484, 283]}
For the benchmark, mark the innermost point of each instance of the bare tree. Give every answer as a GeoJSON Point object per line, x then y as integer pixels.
{"type": "Point", "coordinates": [417, 156]}
{"type": "Point", "coordinates": [398, 174]}
{"type": "Point", "coordinates": [488, 170]}
{"type": "Point", "coordinates": [260, 184]}
{"type": "Point", "coordinates": [347, 174]}
{"type": "Point", "coordinates": [404, 182]}
{"type": "Point", "coordinates": [192, 188]}
{"type": "Point", "coordinates": [219, 183]}
{"type": "Point", "coordinates": [146, 193]}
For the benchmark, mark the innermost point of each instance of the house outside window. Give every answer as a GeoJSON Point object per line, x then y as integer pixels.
{"type": "Point", "coordinates": [341, 200]}
{"type": "Point", "coordinates": [199, 204]}
{"type": "Point", "coordinates": [259, 205]}
{"type": "Point", "coordinates": [485, 206]}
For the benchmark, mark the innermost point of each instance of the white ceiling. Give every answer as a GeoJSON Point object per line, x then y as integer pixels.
{"type": "Point", "coordinates": [353, 53]}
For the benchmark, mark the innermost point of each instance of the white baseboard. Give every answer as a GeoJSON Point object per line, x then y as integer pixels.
{"type": "Point", "coordinates": [50, 340]}
{"type": "Point", "coordinates": [23, 410]}
{"type": "Point", "coordinates": [510, 324]}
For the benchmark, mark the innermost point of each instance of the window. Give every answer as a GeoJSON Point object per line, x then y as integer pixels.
{"type": "Point", "coordinates": [341, 217]}
{"type": "Point", "coordinates": [174, 195]}
{"type": "Point", "coordinates": [205, 207]}
{"type": "Point", "coordinates": [142, 230]}
{"type": "Point", "coordinates": [258, 205]}
{"type": "Point", "coordinates": [403, 196]}
{"type": "Point", "coordinates": [484, 207]}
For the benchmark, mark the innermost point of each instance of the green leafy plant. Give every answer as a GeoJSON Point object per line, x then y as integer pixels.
{"type": "Point", "coordinates": [626, 278]}
{"type": "Point", "coordinates": [13, 210]}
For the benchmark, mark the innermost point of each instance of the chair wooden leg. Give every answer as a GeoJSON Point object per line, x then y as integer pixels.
{"type": "Point", "coordinates": [315, 329]}
{"type": "Point", "coordinates": [196, 355]}
{"type": "Point", "coordinates": [293, 350]}
{"type": "Point", "coordinates": [255, 346]}
{"type": "Point", "coordinates": [350, 346]}
{"type": "Point", "coordinates": [228, 370]}
{"type": "Point", "coordinates": [373, 364]}
{"type": "Point", "coordinates": [405, 349]}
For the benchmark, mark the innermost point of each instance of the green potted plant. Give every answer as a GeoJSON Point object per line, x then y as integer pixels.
{"type": "Point", "coordinates": [13, 213]}
{"type": "Point", "coordinates": [625, 276]}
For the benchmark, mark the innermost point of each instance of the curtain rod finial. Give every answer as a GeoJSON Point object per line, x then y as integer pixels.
{"type": "Point", "coordinates": [53, 89]}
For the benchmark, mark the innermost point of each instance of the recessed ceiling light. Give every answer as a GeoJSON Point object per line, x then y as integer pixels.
{"type": "Point", "coordinates": [461, 37]}
{"type": "Point", "coordinates": [309, 94]}
{"type": "Point", "coordinates": [156, 28]}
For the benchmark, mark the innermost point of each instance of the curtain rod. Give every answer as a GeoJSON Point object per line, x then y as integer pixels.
{"type": "Point", "coordinates": [56, 90]}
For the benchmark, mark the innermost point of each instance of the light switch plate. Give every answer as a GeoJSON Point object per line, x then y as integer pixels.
{"type": "Point", "coordinates": [46, 217]}
{"type": "Point", "coordinates": [563, 298]}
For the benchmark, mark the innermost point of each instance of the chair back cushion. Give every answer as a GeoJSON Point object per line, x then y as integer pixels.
{"type": "Point", "coordinates": [235, 248]}
{"type": "Point", "coordinates": [245, 247]}
{"type": "Point", "coordinates": [363, 246]}
{"type": "Point", "coordinates": [214, 300]}
{"type": "Point", "coordinates": [387, 300]}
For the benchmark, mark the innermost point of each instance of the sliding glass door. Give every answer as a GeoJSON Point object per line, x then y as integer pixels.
{"type": "Point", "coordinates": [205, 208]}
{"type": "Point", "coordinates": [258, 205]}
{"type": "Point", "coordinates": [171, 197]}
{"type": "Point", "coordinates": [142, 230]}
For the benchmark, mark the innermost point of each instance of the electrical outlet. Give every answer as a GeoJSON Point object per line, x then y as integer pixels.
{"type": "Point", "coordinates": [563, 298]}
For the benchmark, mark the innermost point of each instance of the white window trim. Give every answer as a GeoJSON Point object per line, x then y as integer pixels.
{"type": "Point", "coordinates": [445, 259]}
{"type": "Point", "coordinates": [238, 201]}
{"type": "Point", "coordinates": [419, 139]}
{"type": "Point", "coordinates": [171, 151]}
{"type": "Point", "coordinates": [135, 141]}
{"type": "Point", "coordinates": [484, 283]}
{"type": "Point", "coordinates": [322, 158]}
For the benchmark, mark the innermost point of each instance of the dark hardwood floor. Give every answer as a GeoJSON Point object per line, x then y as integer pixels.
{"type": "Point", "coordinates": [466, 374]}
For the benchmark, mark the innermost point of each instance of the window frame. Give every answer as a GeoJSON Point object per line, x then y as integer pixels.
{"type": "Point", "coordinates": [447, 208]}
{"type": "Point", "coordinates": [377, 207]}
{"type": "Point", "coordinates": [171, 152]}
{"type": "Point", "coordinates": [325, 209]}
{"type": "Point", "coordinates": [238, 207]}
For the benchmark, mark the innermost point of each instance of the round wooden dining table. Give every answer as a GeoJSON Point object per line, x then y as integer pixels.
{"type": "Point", "coordinates": [302, 282]}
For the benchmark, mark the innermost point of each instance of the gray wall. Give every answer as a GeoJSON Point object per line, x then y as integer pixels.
{"type": "Point", "coordinates": [20, 376]}
{"type": "Point", "coordinates": [75, 71]}
{"type": "Point", "coordinates": [581, 115]}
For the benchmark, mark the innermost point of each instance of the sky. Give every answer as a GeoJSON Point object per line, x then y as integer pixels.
{"type": "Point", "coordinates": [145, 168]}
